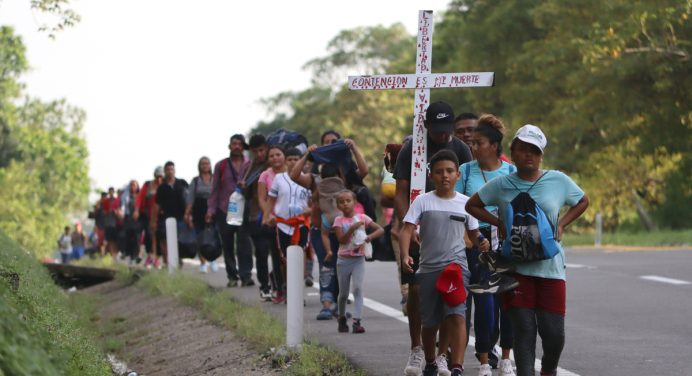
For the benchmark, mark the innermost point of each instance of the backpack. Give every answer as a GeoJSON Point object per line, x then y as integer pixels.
{"type": "Point", "coordinates": [530, 236]}
{"type": "Point", "coordinates": [288, 139]}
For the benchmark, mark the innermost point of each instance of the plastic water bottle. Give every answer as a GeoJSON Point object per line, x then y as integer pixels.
{"type": "Point", "coordinates": [236, 206]}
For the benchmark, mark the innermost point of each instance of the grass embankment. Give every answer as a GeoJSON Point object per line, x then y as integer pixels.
{"type": "Point", "coordinates": [42, 331]}
{"type": "Point", "coordinates": [250, 323]}
{"type": "Point", "coordinates": [660, 238]}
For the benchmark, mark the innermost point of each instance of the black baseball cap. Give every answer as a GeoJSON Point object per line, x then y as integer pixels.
{"type": "Point", "coordinates": [240, 137]}
{"type": "Point", "coordinates": [440, 117]}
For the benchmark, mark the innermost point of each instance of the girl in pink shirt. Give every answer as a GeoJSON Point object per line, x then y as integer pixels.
{"type": "Point", "coordinates": [350, 265]}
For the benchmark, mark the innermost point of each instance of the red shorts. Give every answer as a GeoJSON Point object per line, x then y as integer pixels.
{"type": "Point", "coordinates": [535, 292]}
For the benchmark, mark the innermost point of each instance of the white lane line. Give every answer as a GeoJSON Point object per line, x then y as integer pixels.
{"type": "Point", "coordinates": [579, 266]}
{"type": "Point", "coordinates": [398, 315]}
{"type": "Point", "coordinates": [575, 266]}
{"type": "Point", "coordinates": [671, 281]}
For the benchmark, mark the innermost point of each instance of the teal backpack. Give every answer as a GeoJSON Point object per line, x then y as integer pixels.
{"type": "Point", "coordinates": [530, 236]}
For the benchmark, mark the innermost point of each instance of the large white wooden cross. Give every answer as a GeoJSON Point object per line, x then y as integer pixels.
{"type": "Point", "coordinates": [423, 80]}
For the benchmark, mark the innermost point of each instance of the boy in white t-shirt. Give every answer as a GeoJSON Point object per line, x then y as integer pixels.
{"type": "Point", "coordinates": [443, 271]}
{"type": "Point", "coordinates": [65, 245]}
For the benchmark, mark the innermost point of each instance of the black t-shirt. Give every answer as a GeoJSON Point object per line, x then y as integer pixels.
{"type": "Point", "coordinates": [403, 162]}
{"type": "Point", "coordinates": [171, 199]}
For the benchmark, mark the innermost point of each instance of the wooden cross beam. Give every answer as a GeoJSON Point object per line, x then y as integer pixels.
{"type": "Point", "coordinates": [422, 81]}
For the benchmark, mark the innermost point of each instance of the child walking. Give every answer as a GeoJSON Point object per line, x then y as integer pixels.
{"type": "Point", "coordinates": [350, 265]}
{"type": "Point", "coordinates": [443, 273]}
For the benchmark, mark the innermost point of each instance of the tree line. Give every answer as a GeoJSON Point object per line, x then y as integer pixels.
{"type": "Point", "coordinates": [609, 82]}
{"type": "Point", "coordinates": [44, 172]}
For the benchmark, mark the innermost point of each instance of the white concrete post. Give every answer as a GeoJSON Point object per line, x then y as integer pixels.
{"type": "Point", "coordinates": [294, 296]}
{"type": "Point", "coordinates": [599, 230]}
{"type": "Point", "coordinates": [172, 243]}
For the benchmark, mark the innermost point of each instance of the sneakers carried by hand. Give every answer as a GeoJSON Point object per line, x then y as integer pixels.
{"type": "Point", "coordinates": [414, 366]}
{"type": "Point", "coordinates": [485, 370]}
{"type": "Point", "coordinates": [495, 263]}
{"type": "Point", "coordinates": [506, 368]}
{"type": "Point", "coordinates": [441, 362]}
{"type": "Point", "coordinates": [496, 284]}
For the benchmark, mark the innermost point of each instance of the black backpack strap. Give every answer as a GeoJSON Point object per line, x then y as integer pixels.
{"type": "Point", "coordinates": [534, 183]}
{"type": "Point", "coordinates": [510, 182]}
{"type": "Point", "coordinates": [537, 180]}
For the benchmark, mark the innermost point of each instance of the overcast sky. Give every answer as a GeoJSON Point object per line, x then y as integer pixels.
{"type": "Point", "coordinates": [164, 80]}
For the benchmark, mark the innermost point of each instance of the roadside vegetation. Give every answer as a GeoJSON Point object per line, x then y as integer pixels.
{"type": "Point", "coordinates": [659, 238]}
{"type": "Point", "coordinates": [42, 331]}
{"type": "Point", "coordinates": [250, 323]}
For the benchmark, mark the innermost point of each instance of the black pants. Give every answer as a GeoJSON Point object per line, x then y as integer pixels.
{"type": "Point", "coordinates": [526, 323]}
{"type": "Point", "coordinates": [144, 224]}
{"type": "Point", "coordinates": [261, 238]}
{"type": "Point", "coordinates": [232, 236]}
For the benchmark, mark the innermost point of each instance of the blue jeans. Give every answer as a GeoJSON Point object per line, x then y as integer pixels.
{"type": "Point", "coordinates": [65, 257]}
{"type": "Point", "coordinates": [484, 314]}
{"type": "Point", "coordinates": [329, 284]}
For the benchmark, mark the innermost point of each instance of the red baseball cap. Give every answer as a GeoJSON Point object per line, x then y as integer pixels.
{"type": "Point", "coordinates": [450, 285]}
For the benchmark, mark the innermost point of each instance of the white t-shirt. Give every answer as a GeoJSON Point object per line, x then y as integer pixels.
{"type": "Point", "coordinates": [442, 239]}
{"type": "Point", "coordinates": [291, 199]}
{"type": "Point", "coordinates": [65, 243]}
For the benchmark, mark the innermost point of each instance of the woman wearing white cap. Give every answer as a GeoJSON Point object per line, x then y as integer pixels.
{"type": "Point", "coordinates": [537, 306]}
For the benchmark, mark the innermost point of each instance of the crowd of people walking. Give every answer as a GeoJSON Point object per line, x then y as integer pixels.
{"type": "Point", "coordinates": [465, 242]}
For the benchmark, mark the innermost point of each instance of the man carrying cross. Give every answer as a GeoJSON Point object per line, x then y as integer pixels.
{"type": "Point", "coordinates": [440, 128]}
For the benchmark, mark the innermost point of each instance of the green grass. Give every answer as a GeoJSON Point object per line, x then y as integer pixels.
{"type": "Point", "coordinates": [41, 331]}
{"type": "Point", "coordinates": [250, 323]}
{"type": "Point", "coordinates": [642, 239]}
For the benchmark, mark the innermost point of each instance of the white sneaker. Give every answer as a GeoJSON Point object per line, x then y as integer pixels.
{"type": "Point", "coordinates": [442, 369]}
{"type": "Point", "coordinates": [203, 268]}
{"type": "Point", "coordinates": [485, 370]}
{"type": "Point", "coordinates": [505, 367]}
{"type": "Point", "coordinates": [414, 367]}
{"type": "Point", "coordinates": [214, 266]}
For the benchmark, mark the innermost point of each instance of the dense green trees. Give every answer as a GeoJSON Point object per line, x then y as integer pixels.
{"type": "Point", "coordinates": [43, 163]}
{"type": "Point", "coordinates": [609, 82]}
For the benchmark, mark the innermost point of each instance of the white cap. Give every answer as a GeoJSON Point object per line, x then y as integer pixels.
{"type": "Point", "coordinates": [533, 135]}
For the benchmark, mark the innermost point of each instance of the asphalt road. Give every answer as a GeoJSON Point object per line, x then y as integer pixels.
{"type": "Point", "coordinates": [618, 323]}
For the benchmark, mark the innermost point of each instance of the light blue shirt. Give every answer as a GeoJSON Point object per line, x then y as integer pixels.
{"type": "Point", "coordinates": [553, 191]}
{"type": "Point", "coordinates": [472, 183]}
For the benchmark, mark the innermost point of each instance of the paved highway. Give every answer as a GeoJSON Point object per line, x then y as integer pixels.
{"type": "Point", "coordinates": [629, 313]}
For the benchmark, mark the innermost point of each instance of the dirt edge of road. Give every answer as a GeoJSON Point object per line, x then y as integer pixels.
{"type": "Point", "coordinates": [156, 335]}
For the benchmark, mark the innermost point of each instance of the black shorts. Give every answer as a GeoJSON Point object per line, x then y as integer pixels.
{"type": "Point", "coordinates": [111, 234]}
{"type": "Point", "coordinates": [410, 278]}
